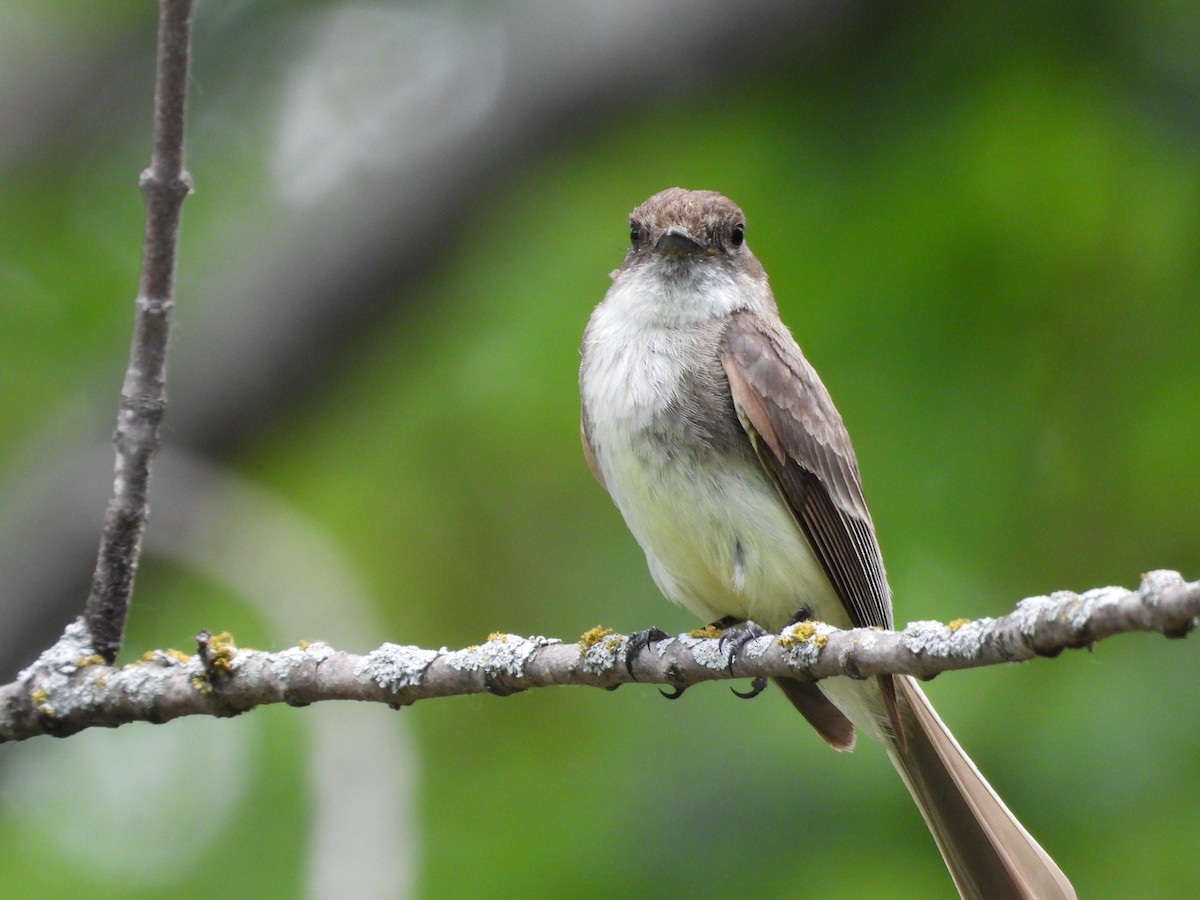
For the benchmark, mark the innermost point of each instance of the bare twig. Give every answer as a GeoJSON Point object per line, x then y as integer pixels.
{"type": "Point", "coordinates": [143, 395]}
{"type": "Point", "coordinates": [67, 690]}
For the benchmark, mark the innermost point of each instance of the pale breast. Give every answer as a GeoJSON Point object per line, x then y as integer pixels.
{"type": "Point", "coordinates": [718, 539]}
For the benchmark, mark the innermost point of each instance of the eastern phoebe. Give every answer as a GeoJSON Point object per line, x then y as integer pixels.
{"type": "Point", "coordinates": [732, 468]}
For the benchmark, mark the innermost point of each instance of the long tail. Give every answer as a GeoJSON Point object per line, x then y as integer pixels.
{"type": "Point", "coordinates": [989, 854]}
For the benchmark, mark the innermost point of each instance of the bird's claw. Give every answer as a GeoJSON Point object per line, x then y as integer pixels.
{"type": "Point", "coordinates": [731, 643]}
{"type": "Point", "coordinates": [734, 639]}
{"type": "Point", "coordinates": [639, 641]}
{"type": "Point", "coordinates": [757, 686]}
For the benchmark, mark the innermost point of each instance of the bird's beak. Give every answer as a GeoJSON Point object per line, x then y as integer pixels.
{"type": "Point", "coordinates": [676, 241]}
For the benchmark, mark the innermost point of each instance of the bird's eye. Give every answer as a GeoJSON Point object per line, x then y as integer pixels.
{"type": "Point", "coordinates": [738, 235]}
{"type": "Point", "coordinates": [635, 233]}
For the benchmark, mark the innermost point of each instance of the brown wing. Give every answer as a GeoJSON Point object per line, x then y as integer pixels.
{"type": "Point", "coordinates": [800, 438]}
{"type": "Point", "coordinates": [801, 441]}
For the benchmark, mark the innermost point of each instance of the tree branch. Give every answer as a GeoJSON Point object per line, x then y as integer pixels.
{"type": "Point", "coordinates": [69, 689]}
{"type": "Point", "coordinates": [143, 396]}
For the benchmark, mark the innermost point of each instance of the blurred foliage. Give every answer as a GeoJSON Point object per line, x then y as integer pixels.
{"type": "Point", "coordinates": [982, 223]}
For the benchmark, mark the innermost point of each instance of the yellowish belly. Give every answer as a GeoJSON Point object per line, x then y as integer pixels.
{"type": "Point", "coordinates": [721, 544]}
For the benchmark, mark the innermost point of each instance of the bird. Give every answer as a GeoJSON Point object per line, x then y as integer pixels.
{"type": "Point", "coordinates": [731, 466]}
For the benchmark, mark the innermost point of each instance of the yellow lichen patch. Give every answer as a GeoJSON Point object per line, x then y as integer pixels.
{"type": "Point", "coordinates": [593, 636]}
{"type": "Point", "coordinates": [708, 631]}
{"type": "Point", "coordinates": [955, 624]}
{"type": "Point", "coordinates": [161, 657]}
{"type": "Point", "coordinates": [201, 684]}
{"type": "Point", "coordinates": [303, 645]}
{"type": "Point", "coordinates": [221, 651]}
{"type": "Point", "coordinates": [802, 633]}
{"type": "Point", "coordinates": [94, 659]}
{"type": "Point", "coordinates": [498, 636]}
{"type": "Point", "coordinates": [100, 682]}
{"type": "Point", "coordinates": [38, 696]}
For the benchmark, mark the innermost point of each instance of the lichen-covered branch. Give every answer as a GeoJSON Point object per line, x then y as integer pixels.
{"type": "Point", "coordinates": [69, 689]}
{"type": "Point", "coordinates": [143, 395]}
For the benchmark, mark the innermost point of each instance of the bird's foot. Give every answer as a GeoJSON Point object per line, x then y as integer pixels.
{"type": "Point", "coordinates": [639, 641]}
{"type": "Point", "coordinates": [732, 641]}
{"type": "Point", "coordinates": [803, 614]}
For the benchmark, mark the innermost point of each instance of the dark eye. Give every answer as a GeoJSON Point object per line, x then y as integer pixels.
{"type": "Point", "coordinates": [635, 233]}
{"type": "Point", "coordinates": [738, 235]}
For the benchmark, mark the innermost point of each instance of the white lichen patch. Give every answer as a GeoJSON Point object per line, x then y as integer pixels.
{"type": "Point", "coordinates": [239, 659]}
{"type": "Point", "coordinates": [1032, 610]}
{"type": "Point", "coordinates": [801, 644]}
{"type": "Point", "coordinates": [936, 639]}
{"type": "Point", "coordinates": [1078, 611]}
{"type": "Point", "coordinates": [63, 657]}
{"type": "Point", "coordinates": [867, 639]}
{"type": "Point", "coordinates": [708, 652]}
{"type": "Point", "coordinates": [396, 666]}
{"type": "Point", "coordinates": [164, 658]}
{"type": "Point", "coordinates": [138, 677]}
{"type": "Point", "coordinates": [501, 653]}
{"type": "Point", "coordinates": [605, 654]}
{"type": "Point", "coordinates": [49, 678]}
{"type": "Point", "coordinates": [755, 648]}
{"type": "Point", "coordinates": [285, 662]}
{"type": "Point", "coordinates": [1154, 583]}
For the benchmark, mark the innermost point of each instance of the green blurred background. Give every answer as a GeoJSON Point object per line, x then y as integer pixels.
{"type": "Point", "coordinates": [981, 220]}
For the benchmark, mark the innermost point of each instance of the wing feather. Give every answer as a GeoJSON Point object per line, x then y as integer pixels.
{"type": "Point", "coordinates": [803, 444]}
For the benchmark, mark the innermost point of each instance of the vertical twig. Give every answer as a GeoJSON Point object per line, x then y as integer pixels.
{"type": "Point", "coordinates": [143, 395]}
